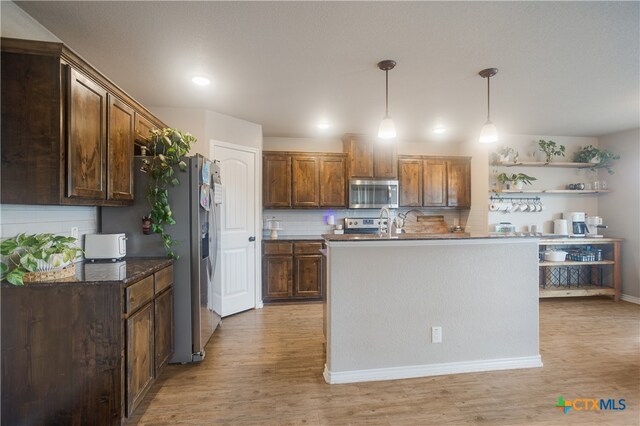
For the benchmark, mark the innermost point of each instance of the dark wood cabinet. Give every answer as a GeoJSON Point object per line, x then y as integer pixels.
{"type": "Point", "coordinates": [333, 181]}
{"type": "Point", "coordinates": [120, 148]}
{"type": "Point", "coordinates": [87, 144]}
{"type": "Point", "coordinates": [370, 158]}
{"type": "Point", "coordinates": [459, 183]}
{"type": "Point", "coordinates": [68, 132]}
{"type": "Point", "coordinates": [139, 355]}
{"type": "Point", "coordinates": [304, 180]}
{"type": "Point", "coordinates": [435, 181]}
{"type": "Point", "coordinates": [410, 182]}
{"type": "Point", "coordinates": [276, 180]}
{"type": "Point", "coordinates": [84, 352]}
{"type": "Point", "coordinates": [292, 270]}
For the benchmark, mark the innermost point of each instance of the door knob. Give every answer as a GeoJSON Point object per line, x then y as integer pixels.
{"type": "Point", "coordinates": [252, 238]}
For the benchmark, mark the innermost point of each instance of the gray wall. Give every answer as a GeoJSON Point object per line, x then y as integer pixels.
{"type": "Point", "coordinates": [384, 297]}
{"type": "Point", "coordinates": [621, 208]}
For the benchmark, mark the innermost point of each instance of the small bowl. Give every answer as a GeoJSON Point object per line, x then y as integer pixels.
{"type": "Point", "coordinates": [555, 256]}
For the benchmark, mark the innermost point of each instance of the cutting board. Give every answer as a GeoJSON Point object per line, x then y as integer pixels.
{"type": "Point", "coordinates": [427, 224]}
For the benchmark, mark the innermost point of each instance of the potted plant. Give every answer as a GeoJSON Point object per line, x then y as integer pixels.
{"type": "Point", "coordinates": [167, 147]}
{"type": "Point", "coordinates": [507, 153]}
{"type": "Point", "coordinates": [35, 253]}
{"type": "Point", "coordinates": [515, 180]}
{"type": "Point", "coordinates": [599, 158]}
{"type": "Point", "coordinates": [550, 149]}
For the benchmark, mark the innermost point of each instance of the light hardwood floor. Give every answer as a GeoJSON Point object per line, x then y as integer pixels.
{"type": "Point", "coordinates": [265, 367]}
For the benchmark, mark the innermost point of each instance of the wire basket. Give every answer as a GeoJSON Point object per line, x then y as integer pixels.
{"type": "Point", "coordinates": [34, 277]}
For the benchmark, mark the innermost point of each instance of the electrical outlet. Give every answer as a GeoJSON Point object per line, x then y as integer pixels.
{"type": "Point", "coordinates": [436, 334]}
{"type": "Point", "coordinates": [74, 232]}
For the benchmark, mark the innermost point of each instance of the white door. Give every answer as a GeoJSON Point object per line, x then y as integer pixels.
{"type": "Point", "coordinates": [238, 227]}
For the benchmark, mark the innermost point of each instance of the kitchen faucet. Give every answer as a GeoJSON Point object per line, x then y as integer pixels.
{"type": "Point", "coordinates": [382, 211]}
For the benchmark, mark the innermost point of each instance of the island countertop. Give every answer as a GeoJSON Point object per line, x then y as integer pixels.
{"type": "Point", "coordinates": [420, 236]}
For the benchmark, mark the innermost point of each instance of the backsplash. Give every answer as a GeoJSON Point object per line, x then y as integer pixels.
{"type": "Point", "coordinates": [314, 222]}
{"type": "Point", "coordinates": [47, 219]}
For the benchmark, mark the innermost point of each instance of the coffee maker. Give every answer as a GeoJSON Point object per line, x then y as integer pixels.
{"type": "Point", "coordinates": [593, 224]}
{"type": "Point", "coordinates": [576, 223]}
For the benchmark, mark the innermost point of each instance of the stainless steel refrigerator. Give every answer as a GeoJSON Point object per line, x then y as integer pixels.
{"type": "Point", "coordinates": [195, 207]}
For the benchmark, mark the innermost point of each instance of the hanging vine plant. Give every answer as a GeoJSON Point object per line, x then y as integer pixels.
{"type": "Point", "coordinates": [167, 148]}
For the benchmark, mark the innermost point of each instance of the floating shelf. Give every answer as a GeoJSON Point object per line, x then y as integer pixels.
{"type": "Point", "coordinates": [550, 191]}
{"type": "Point", "coordinates": [576, 263]}
{"type": "Point", "coordinates": [586, 290]}
{"type": "Point", "coordinates": [543, 164]}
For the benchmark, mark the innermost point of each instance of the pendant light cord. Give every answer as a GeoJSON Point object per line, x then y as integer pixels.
{"type": "Point", "coordinates": [386, 96]}
{"type": "Point", "coordinates": [488, 99]}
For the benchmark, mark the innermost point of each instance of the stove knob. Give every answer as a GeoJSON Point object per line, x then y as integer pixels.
{"type": "Point", "coordinates": [355, 222]}
{"type": "Point", "coordinates": [350, 223]}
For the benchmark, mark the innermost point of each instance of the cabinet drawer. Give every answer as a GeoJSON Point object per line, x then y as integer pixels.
{"type": "Point", "coordinates": [278, 248]}
{"type": "Point", "coordinates": [307, 248]}
{"type": "Point", "coordinates": [164, 278]}
{"type": "Point", "coordinates": [138, 294]}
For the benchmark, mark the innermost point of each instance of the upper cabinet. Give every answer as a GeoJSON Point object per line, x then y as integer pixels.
{"type": "Point", "coordinates": [435, 181]}
{"type": "Point", "coordinates": [370, 158]}
{"type": "Point", "coordinates": [68, 132]}
{"type": "Point", "coordinates": [304, 180]}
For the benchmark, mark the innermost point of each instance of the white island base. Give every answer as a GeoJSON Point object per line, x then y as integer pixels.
{"type": "Point", "coordinates": [384, 297]}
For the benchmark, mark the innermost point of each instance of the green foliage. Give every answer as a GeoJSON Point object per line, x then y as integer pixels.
{"type": "Point", "coordinates": [23, 252]}
{"type": "Point", "coordinates": [589, 153]}
{"type": "Point", "coordinates": [514, 178]}
{"type": "Point", "coordinates": [551, 149]}
{"type": "Point", "coordinates": [167, 148]}
{"type": "Point", "coordinates": [506, 151]}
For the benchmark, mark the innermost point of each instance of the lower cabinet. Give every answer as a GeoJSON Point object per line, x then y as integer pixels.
{"type": "Point", "coordinates": [292, 270]}
{"type": "Point", "coordinates": [84, 352]}
{"type": "Point", "coordinates": [149, 333]}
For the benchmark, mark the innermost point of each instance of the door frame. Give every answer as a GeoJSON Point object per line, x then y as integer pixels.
{"type": "Point", "coordinates": [257, 152]}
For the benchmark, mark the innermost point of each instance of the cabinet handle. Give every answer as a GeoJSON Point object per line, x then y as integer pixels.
{"type": "Point", "coordinates": [251, 239]}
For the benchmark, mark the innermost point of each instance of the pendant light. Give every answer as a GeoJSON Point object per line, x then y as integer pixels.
{"type": "Point", "coordinates": [489, 133]}
{"type": "Point", "coordinates": [387, 129]}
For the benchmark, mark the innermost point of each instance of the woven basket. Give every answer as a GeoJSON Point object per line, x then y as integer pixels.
{"type": "Point", "coordinates": [33, 277]}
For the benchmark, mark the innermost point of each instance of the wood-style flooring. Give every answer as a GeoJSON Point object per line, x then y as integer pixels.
{"type": "Point", "coordinates": [264, 367]}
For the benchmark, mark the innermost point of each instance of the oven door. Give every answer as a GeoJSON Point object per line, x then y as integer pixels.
{"type": "Point", "coordinates": [373, 194]}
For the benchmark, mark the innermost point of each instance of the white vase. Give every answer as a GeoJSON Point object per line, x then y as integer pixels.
{"type": "Point", "coordinates": [518, 185]}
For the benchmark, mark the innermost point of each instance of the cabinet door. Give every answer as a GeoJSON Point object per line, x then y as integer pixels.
{"type": "Point", "coordinates": [434, 183]}
{"type": "Point", "coordinates": [360, 157]}
{"type": "Point", "coordinates": [276, 180]}
{"type": "Point", "coordinates": [333, 182]}
{"type": "Point", "coordinates": [306, 182]}
{"type": "Point", "coordinates": [385, 160]}
{"type": "Point", "coordinates": [458, 183]}
{"type": "Point", "coordinates": [120, 146]}
{"type": "Point", "coordinates": [86, 146]}
{"type": "Point", "coordinates": [163, 330]}
{"type": "Point", "coordinates": [143, 126]}
{"type": "Point", "coordinates": [277, 276]}
{"type": "Point", "coordinates": [410, 182]}
{"type": "Point", "coordinates": [308, 276]}
{"type": "Point", "coordinates": [140, 356]}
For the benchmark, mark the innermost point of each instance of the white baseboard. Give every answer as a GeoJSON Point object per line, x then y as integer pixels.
{"type": "Point", "coordinates": [413, 371]}
{"type": "Point", "coordinates": [631, 299]}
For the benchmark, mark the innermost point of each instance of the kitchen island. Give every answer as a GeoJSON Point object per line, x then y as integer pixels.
{"type": "Point", "coordinates": [384, 296]}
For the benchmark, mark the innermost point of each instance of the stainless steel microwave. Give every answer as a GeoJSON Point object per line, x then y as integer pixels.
{"type": "Point", "coordinates": [373, 194]}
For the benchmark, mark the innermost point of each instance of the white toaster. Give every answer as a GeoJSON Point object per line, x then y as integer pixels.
{"type": "Point", "coordinates": [105, 246]}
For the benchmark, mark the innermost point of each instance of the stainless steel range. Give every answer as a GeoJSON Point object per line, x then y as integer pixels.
{"type": "Point", "coordinates": [363, 225]}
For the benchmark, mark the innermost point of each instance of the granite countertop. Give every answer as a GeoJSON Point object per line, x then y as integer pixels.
{"type": "Point", "coordinates": [123, 272]}
{"type": "Point", "coordinates": [420, 236]}
{"type": "Point", "coordinates": [295, 238]}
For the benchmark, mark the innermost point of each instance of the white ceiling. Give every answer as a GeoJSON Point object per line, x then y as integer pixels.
{"type": "Point", "coordinates": [566, 68]}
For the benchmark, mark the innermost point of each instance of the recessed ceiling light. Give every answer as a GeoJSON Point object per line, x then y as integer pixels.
{"type": "Point", "coordinates": [439, 129]}
{"type": "Point", "coordinates": [323, 125]}
{"type": "Point", "coordinates": [201, 81]}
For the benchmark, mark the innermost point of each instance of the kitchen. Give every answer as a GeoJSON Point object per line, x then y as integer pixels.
{"type": "Point", "coordinates": [208, 125]}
